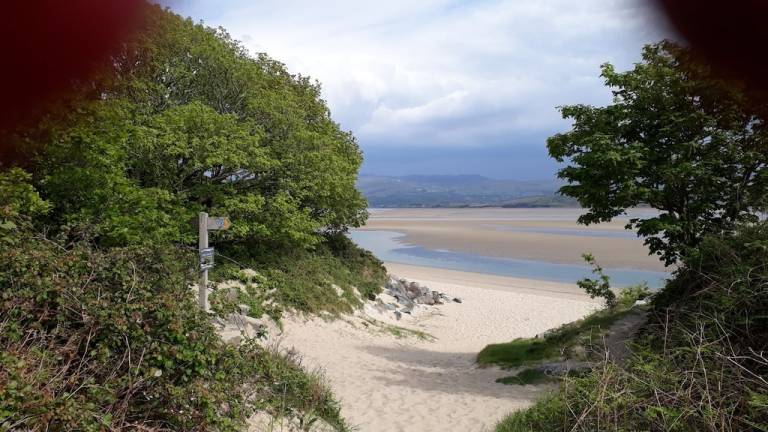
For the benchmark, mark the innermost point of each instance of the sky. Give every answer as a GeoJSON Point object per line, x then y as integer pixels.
{"type": "Point", "coordinates": [446, 86]}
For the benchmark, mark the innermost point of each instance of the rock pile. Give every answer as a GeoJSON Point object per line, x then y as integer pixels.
{"type": "Point", "coordinates": [401, 296]}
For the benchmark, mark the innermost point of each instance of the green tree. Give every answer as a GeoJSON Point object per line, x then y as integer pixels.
{"type": "Point", "coordinates": [674, 138]}
{"type": "Point", "coordinates": [187, 120]}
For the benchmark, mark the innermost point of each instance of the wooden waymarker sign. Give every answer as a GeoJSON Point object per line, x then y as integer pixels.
{"type": "Point", "coordinates": [218, 223]}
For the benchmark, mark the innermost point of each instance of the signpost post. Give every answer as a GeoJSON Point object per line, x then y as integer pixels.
{"type": "Point", "coordinates": [204, 224]}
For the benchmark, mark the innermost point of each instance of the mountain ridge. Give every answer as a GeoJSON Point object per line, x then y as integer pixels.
{"type": "Point", "coordinates": [465, 190]}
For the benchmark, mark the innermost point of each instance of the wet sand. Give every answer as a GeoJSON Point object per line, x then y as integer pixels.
{"type": "Point", "coordinates": [532, 234]}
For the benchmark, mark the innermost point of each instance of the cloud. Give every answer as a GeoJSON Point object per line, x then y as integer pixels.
{"type": "Point", "coordinates": [444, 73]}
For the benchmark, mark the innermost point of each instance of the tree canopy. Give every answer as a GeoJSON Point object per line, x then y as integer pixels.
{"type": "Point", "coordinates": [675, 138]}
{"type": "Point", "coordinates": [186, 120]}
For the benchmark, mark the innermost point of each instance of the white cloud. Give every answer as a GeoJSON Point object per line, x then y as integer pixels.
{"type": "Point", "coordinates": [443, 72]}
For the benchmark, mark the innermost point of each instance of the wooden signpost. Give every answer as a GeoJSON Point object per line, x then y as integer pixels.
{"type": "Point", "coordinates": [205, 224]}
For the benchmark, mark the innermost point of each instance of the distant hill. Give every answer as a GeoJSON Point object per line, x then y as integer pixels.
{"type": "Point", "coordinates": [460, 191]}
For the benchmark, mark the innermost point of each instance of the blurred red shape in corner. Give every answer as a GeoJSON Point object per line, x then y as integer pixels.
{"type": "Point", "coordinates": [731, 36]}
{"type": "Point", "coordinates": [49, 44]}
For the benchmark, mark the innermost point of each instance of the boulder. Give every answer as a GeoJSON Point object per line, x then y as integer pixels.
{"type": "Point", "coordinates": [427, 300]}
{"type": "Point", "coordinates": [403, 299]}
{"type": "Point", "coordinates": [413, 290]}
{"type": "Point", "coordinates": [387, 298]}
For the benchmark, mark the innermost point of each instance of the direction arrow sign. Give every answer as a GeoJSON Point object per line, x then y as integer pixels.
{"type": "Point", "coordinates": [218, 223]}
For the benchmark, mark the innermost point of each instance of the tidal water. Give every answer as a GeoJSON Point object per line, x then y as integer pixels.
{"type": "Point", "coordinates": [388, 246]}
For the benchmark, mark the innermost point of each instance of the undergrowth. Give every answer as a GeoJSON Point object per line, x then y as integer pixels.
{"type": "Point", "coordinates": [112, 340]}
{"type": "Point", "coordinates": [567, 341]}
{"type": "Point", "coordinates": [526, 377]}
{"type": "Point", "coordinates": [304, 280]}
{"type": "Point", "coordinates": [699, 364]}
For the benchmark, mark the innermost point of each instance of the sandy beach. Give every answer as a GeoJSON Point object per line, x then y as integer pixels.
{"type": "Point", "coordinates": [390, 383]}
{"type": "Point", "coordinates": [532, 234]}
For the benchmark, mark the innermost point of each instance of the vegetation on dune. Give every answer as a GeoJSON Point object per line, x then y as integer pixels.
{"type": "Point", "coordinates": [572, 341]}
{"type": "Point", "coordinates": [99, 329]}
{"type": "Point", "coordinates": [698, 364]}
{"type": "Point", "coordinates": [693, 147]}
{"type": "Point", "coordinates": [95, 339]}
{"type": "Point", "coordinates": [527, 377]}
{"type": "Point", "coordinates": [304, 280]}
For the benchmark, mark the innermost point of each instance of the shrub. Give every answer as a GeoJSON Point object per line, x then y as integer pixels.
{"type": "Point", "coordinates": [600, 287]}
{"type": "Point", "coordinates": [699, 363]}
{"type": "Point", "coordinates": [303, 280]}
{"type": "Point", "coordinates": [112, 339]}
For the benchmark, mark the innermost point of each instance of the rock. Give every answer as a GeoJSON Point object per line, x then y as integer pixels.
{"type": "Point", "coordinates": [413, 291]}
{"type": "Point", "coordinates": [234, 340]}
{"type": "Point", "coordinates": [427, 300]}
{"type": "Point", "coordinates": [456, 300]}
{"type": "Point", "coordinates": [395, 284]}
{"type": "Point", "coordinates": [398, 315]}
{"type": "Point", "coordinates": [403, 299]}
{"type": "Point", "coordinates": [387, 298]}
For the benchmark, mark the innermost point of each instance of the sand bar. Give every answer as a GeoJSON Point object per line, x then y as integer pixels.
{"type": "Point", "coordinates": [531, 234]}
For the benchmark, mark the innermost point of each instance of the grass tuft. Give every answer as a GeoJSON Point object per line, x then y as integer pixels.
{"type": "Point", "coordinates": [527, 377]}
{"type": "Point", "coordinates": [562, 341]}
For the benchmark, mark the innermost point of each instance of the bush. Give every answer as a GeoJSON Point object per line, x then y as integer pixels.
{"type": "Point", "coordinates": [304, 280]}
{"type": "Point", "coordinates": [600, 287]}
{"type": "Point", "coordinates": [93, 340]}
{"type": "Point", "coordinates": [699, 363]}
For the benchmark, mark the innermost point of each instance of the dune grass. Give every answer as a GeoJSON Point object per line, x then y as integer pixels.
{"type": "Point", "coordinates": [527, 376]}
{"type": "Point", "coordinates": [554, 345]}
{"type": "Point", "coordinates": [560, 342]}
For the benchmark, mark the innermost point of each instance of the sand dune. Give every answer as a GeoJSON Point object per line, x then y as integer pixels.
{"type": "Point", "coordinates": [387, 383]}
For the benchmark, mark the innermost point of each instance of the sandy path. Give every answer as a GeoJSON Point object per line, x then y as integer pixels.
{"type": "Point", "coordinates": [406, 384]}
